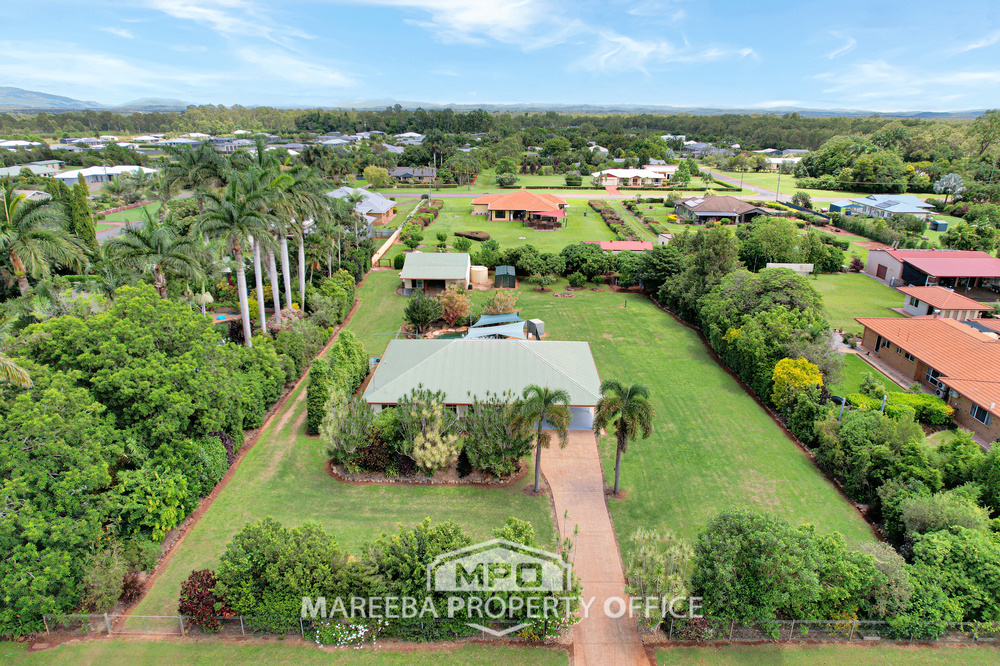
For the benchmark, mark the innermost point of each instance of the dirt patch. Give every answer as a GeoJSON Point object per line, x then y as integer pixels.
{"type": "Point", "coordinates": [564, 294]}
{"type": "Point", "coordinates": [597, 288]}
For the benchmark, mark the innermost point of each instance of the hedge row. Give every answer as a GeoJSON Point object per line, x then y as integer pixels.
{"type": "Point", "coordinates": [346, 367]}
{"type": "Point", "coordinates": [924, 408]}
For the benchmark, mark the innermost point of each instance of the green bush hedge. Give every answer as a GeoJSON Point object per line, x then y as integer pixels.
{"type": "Point", "coordinates": [925, 408]}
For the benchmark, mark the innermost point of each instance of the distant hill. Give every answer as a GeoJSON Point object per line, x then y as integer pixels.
{"type": "Point", "coordinates": [18, 98]}
{"type": "Point", "coordinates": [148, 104]}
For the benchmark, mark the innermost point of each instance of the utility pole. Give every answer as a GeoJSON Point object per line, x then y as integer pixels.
{"type": "Point", "coordinates": [777, 194]}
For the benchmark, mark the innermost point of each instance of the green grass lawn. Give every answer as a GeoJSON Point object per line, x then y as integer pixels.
{"type": "Point", "coordinates": [133, 214]}
{"type": "Point", "coordinates": [850, 295]}
{"type": "Point", "coordinates": [769, 179]}
{"type": "Point", "coordinates": [850, 380]}
{"type": "Point", "coordinates": [713, 447]}
{"type": "Point", "coordinates": [103, 227]}
{"type": "Point", "coordinates": [293, 652]}
{"type": "Point", "coordinates": [283, 476]}
{"type": "Point", "coordinates": [828, 655]}
{"type": "Point", "coordinates": [582, 223]}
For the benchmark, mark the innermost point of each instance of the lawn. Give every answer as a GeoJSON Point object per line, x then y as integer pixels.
{"type": "Point", "coordinates": [850, 295]}
{"type": "Point", "coordinates": [293, 652]}
{"type": "Point", "coordinates": [713, 447]}
{"type": "Point", "coordinates": [134, 214]}
{"type": "Point", "coordinates": [283, 476]}
{"type": "Point", "coordinates": [850, 380]}
{"type": "Point", "coordinates": [582, 223]}
{"type": "Point", "coordinates": [769, 180]}
{"type": "Point", "coordinates": [828, 655]}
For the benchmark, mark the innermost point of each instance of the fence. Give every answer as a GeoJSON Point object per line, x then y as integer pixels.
{"type": "Point", "coordinates": [83, 624]}
{"type": "Point", "coordinates": [713, 630]}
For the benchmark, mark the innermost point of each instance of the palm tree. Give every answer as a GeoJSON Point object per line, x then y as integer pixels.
{"type": "Point", "coordinates": [156, 246]}
{"type": "Point", "coordinates": [31, 237]}
{"type": "Point", "coordinates": [197, 168]}
{"type": "Point", "coordinates": [235, 215]}
{"type": "Point", "coordinates": [300, 202]}
{"type": "Point", "coordinates": [630, 405]}
{"type": "Point", "coordinates": [539, 405]}
{"type": "Point", "coordinates": [10, 371]}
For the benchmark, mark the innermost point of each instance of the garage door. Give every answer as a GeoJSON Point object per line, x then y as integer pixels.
{"type": "Point", "coordinates": [582, 420]}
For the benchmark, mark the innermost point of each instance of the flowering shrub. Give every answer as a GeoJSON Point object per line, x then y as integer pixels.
{"type": "Point", "coordinates": [343, 634]}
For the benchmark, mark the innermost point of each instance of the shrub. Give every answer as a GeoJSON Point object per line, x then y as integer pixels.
{"type": "Point", "coordinates": [398, 261]}
{"type": "Point", "coordinates": [495, 443]}
{"type": "Point", "coordinates": [462, 244]}
{"type": "Point", "coordinates": [199, 601]}
{"type": "Point", "coordinates": [104, 578]}
{"type": "Point", "coordinates": [500, 301]}
{"type": "Point", "coordinates": [346, 428]}
{"type": "Point", "coordinates": [455, 304]}
{"type": "Point", "coordinates": [856, 265]}
{"type": "Point", "coordinates": [577, 279]}
{"type": "Point", "coordinates": [376, 456]}
{"type": "Point", "coordinates": [929, 513]}
{"type": "Point", "coordinates": [429, 428]}
{"type": "Point", "coordinates": [929, 409]}
{"type": "Point", "coordinates": [317, 393]}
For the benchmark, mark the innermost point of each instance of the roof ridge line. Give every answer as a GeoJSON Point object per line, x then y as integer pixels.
{"type": "Point", "coordinates": [405, 374]}
{"type": "Point", "coordinates": [547, 362]}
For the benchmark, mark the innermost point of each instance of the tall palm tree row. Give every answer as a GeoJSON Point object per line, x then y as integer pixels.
{"type": "Point", "coordinates": [628, 407]}
{"type": "Point", "coordinates": [539, 406]}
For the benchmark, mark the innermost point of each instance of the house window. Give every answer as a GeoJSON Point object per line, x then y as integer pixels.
{"type": "Point", "coordinates": [981, 415]}
{"type": "Point", "coordinates": [932, 378]}
{"type": "Point", "coordinates": [908, 356]}
{"type": "Point", "coordinates": [914, 302]}
{"type": "Point", "coordinates": [898, 351]}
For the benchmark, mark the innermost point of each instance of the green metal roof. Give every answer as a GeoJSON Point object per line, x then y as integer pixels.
{"type": "Point", "coordinates": [436, 266]}
{"type": "Point", "coordinates": [504, 270]}
{"type": "Point", "coordinates": [463, 367]}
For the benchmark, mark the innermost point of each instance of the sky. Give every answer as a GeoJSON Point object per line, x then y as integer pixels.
{"type": "Point", "coordinates": [844, 54]}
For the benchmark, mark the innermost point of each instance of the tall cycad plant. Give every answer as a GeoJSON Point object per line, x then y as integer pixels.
{"type": "Point", "coordinates": [628, 407]}
{"type": "Point", "coordinates": [235, 215]}
{"type": "Point", "coordinates": [156, 246]}
{"type": "Point", "coordinates": [31, 238]}
{"type": "Point", "coordinates": [540, 405]}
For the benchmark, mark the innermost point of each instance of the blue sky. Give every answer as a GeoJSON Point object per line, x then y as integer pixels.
{"type": "Point", "coordinates": [883, 56]}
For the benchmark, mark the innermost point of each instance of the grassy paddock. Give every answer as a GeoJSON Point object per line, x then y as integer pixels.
{"type": "Point", "coordinates": [293, 652]}
{"type": "Point", "coordinates": [850, 381]}
{"type": "Point", "coordinates": [850, 295]}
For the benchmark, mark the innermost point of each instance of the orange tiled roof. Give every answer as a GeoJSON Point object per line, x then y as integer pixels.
{"type": "Point", "coordinates": [521, 200]}
{"type": "Point", "coordinates": [963, 355]}
{"type": "Point", "coordinates": [943, 299]}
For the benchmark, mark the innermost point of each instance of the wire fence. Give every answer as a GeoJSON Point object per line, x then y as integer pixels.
{"type": "Point", "coordinates": [96, 624]}
{"type": "Point", "coordinates": [713, 630]}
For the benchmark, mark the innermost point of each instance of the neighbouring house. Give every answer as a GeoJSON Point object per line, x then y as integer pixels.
{"type": "Point", "coordinates": [34, 195]}
{"type": "Point", "coordinates": [13, 144]}
{"type": "Point", "coordinates": [100, 174]}
{"type": "Point", "coordinates": [530, 208]}
{"type": "Point", "coordinates": [410, 139]}
{"type": "Point", "coordinates": [946, 268]}
{"type": "Point", "coordinates": [395, 150]}
{"type": "Point", "coordinates": [37, 168]}
{"type": "Point", "coordinates": [599, 149]}
{"type": "Point", "coordinates": [87, 141]}
{"type": "Point", "coordinates": [679, 137]}
{"type": "Point", "coordinates": [413, 174]}
{"type": "Point", "coordinates": [697, 148]}
{"type": "Point", "coordinates": [631, 178]}
{"type": "Point", "coordinates": [664, 239]}
{"type": "Point", "coordinates": [775, 163]}
{"type": "Point", "coordinates": [463, 369]}
{"type": "Point", "coordinates": [435, 270]}
{"type": "Point", "coordinates": [922, 301]}
{"type": "Point", "coordinates": [802, 269]}
{"type": "Point", "coordinates": [230, 146]}
{"type": "Point", "coordinates": [719, 208]}
{"type": "Point", "coordinates": [668, 170]}
{"type": "Point", "coordinates": [844, 207]}
{"type": "Point", "coordinates": [887, 205]}
{"type": "Point", "coordinates": [375, 208]}
{"type": "Point", "coordinates": [616, 246]}
{"type": "Point", "coordinates": [180, 142]}
{"type": "Point", "coordinates": [957, 360]}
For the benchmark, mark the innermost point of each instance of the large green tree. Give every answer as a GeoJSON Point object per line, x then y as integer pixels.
{"type": "Point", "coordinates": [539, 406]}
{"type": "Point", "coordinates": [155, 245]}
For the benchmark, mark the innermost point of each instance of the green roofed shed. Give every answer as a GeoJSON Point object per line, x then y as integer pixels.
{"type": "Point", "coordinates": [505, 277]}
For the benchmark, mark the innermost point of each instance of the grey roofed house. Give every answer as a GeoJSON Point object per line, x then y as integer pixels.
{"type": "Point", "coordinates": [396, 150]}
{"type": "Point", "coordinates": [707, 208]}
{"type": "Point", "coordinates": [35, 168]}
{"type": "Point", "coordinates": [887, 205]}
{"type": "Point", "coordinates": [413, 172]}
{"type": "Point", "coordinates": [373, 205]}
{"type": "Point", "coordinates": [434, 270]}
{"type": "Point", "coordinates": [463, 367]}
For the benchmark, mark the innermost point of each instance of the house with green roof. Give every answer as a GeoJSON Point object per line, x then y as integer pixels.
{"type": "Point", "coordinates": [435, 270]}
{"type": "Point", "coordinates": [463, 369]}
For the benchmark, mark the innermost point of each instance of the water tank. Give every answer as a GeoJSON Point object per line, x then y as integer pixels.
{"type": "Point", "coordinates": [480, 275]}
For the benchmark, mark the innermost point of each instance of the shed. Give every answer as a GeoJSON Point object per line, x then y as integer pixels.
{"type": "Point", "coordinates": [505, 278]}
{"type": "Point", "coordinates": [536, 327]}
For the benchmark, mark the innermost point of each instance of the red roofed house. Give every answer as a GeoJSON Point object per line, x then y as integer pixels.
{"type": "Point", "coordinates": [958, 361]}
{"type": "Point", "coordinates": [947, 268]}
{"type": "Point", "coordinates": [614, 247]}
{"type": "Point", "coordinates": [922, 301]}
{"type": "Point", "coordinates": [531, 208]}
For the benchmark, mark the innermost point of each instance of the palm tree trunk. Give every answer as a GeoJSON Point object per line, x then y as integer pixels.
{"type": "Point", "coordinates": [538, 457]}
{"type": "Point", "coordinates": [275, 289]}
{"type": "Point", "coordinates": [618, 468]}
{"type": "Point", "coordinates": [286, 272]}
{"type": "Point", "coordinates": [259, 279]}
{"type": "Point", "coordinates": [20, 272]}
{"type": "Point", "coordinates": [302, 272]}
{"type": "Point", "coordinates": [241, 285]}
{"type": "Point", "coordinates": [329, 262]}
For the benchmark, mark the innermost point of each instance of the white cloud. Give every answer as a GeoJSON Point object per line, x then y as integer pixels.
{"type": "Point", "coordinates": [230, 18]}
{"type": "Point", "coordinates": [121, 32]}
{"type": "Point", "coordinates": [476, 21]}
{"type": "Point", "coordinates": [616, 52]}
{"type": "Point", "coordinates": [846, 48]}
{"type": "Point", "coordinates": [989, 40]}
{"type": "Point", "coordinates": [284, 66]}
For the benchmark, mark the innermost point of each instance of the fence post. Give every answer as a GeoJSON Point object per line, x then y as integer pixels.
{"type": "Point", "coordinates": [181, 618]}
{"type": "Point", "coordinates": [242, 629]}
{"type": "Point", "coordinates": [671, 634]}
{"type": "Point", "coordinates": [732, 626]}
{"type": "Point", "coordinates": [302, 628]}
{"type": "Point", "coordinates": [45, 622]}
{"type": "Point", "coordinates": [853, 624]}
{"type": "Point", "coordinates": [107, 623]}
{"type": "Point", "coordinates": [791, 632]}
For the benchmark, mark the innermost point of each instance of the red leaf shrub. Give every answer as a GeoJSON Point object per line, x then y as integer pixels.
{"type": "Point", "coordinates": [200, 603]}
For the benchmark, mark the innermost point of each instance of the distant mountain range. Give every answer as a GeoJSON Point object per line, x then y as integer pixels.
{"type": "Point", "coordinates": [17, 99]}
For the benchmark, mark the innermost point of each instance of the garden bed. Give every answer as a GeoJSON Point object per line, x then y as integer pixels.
{"type": "Point", "coordinates": [443, 477]}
